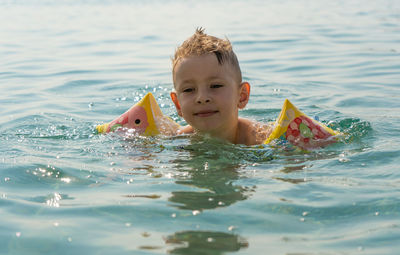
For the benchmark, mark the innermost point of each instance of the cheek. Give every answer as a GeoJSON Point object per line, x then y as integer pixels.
{"type": "Point", "coordinates": [185, 102]}
{"type": "Point", "coordinates": [228, 97]}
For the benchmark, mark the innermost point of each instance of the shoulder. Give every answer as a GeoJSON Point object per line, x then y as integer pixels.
{"type": "Point", "coordinates": [253, 132]}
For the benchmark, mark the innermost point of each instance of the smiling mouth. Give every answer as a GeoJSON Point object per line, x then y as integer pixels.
{"type": "Point", "coordinates": [205, 113]}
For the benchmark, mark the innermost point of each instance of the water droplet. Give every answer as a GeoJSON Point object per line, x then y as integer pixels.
{"type": "Point", "coordinates": [54, 200]}
{"type": "Point", "coordinates": [196, 212]}
{"type": "Point", "coordinates": [173, 215]}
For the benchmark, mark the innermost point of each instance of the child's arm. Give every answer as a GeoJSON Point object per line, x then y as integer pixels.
{"type": "Point", "coordinates": [185, 130]}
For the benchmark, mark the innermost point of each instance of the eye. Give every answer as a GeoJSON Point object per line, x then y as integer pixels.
{"type": "Point", "coordinates": [137, 121]}
{"type": "Point", "coordinates": [215, 86]}
{"type": "Point", "coordinates": [188, 90]}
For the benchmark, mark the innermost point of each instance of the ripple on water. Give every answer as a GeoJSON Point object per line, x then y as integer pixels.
{"type": "Point", "coordinates": [76, 85]}
{"type": "Point", "coordinates": [39, 176]}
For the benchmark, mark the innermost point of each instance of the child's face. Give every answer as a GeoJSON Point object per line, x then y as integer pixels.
{"type": "Point", "coordinates": [208, 95]}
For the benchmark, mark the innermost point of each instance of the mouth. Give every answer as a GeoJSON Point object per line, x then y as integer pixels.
{"type": "Point", "coordinates": [206, 113]}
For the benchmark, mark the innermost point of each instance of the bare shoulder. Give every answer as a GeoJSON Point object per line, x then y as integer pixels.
{"type": "Point", "coordinates": [253, 132]}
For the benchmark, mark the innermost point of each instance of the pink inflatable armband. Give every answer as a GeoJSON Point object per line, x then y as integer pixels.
{"type": "Point", "coordinates": [145, 118]}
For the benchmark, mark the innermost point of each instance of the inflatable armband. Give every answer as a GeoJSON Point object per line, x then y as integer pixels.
{"type": "Point", "coordinates": [300, 130]}
{"type": "Point", "coordinates": [145, 118]}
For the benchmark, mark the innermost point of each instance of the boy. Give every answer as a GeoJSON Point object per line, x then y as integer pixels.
{"type": "Point", "coordinates": [209, 91]}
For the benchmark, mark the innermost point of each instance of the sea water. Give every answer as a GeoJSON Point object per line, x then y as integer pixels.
{"type": "Point", "coordinates": [66, 66]}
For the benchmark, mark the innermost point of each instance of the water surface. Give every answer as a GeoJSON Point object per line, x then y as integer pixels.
{"type": "Point", "coordinates": [67, 66]}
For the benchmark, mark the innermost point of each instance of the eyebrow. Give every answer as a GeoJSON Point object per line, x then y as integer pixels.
{"type": "Point", "coordinates": [187, 81]}
{"type": "Point", "coordinates": [214, 77]}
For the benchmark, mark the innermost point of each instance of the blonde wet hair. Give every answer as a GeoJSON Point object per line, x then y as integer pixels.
{"type": "Point", "coordinates": [201, 44]}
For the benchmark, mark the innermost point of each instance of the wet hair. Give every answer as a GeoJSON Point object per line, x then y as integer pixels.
{"type": "Point", "coordinates": [201, 44]}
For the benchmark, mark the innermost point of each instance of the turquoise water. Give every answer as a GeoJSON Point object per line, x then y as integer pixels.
{"type": "Point", "coordinates": [69, 65]}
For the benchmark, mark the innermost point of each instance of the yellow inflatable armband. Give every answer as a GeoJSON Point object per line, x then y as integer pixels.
{"type": "Point", "coordinates": [145, 118]}
{"type": "Point", "coordinates": [300, 130]}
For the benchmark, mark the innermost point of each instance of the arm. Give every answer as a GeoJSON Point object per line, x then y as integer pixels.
{"type": "Point", "coordinates": [185, 130]}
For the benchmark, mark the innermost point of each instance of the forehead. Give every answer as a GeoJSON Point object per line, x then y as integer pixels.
{"type": "Point", "coordinates": [204, 66]}
{"type": "Point", "coordinates": [195, 61]}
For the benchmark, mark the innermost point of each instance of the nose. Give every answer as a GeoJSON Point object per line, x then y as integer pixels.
{"type": "Point", "coordinates": [203, 97]}
{"type": "Point", "coordinates": [200, 101]}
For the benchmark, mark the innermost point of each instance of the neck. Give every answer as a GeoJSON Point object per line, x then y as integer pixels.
{"type": "Point", "coordinates": [228, 134]}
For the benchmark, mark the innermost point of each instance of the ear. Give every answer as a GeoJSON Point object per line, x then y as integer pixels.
{"type": "Point", "coordinates": [244, 94]}
{"type": "Point", "coordinates": [174, 98]}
